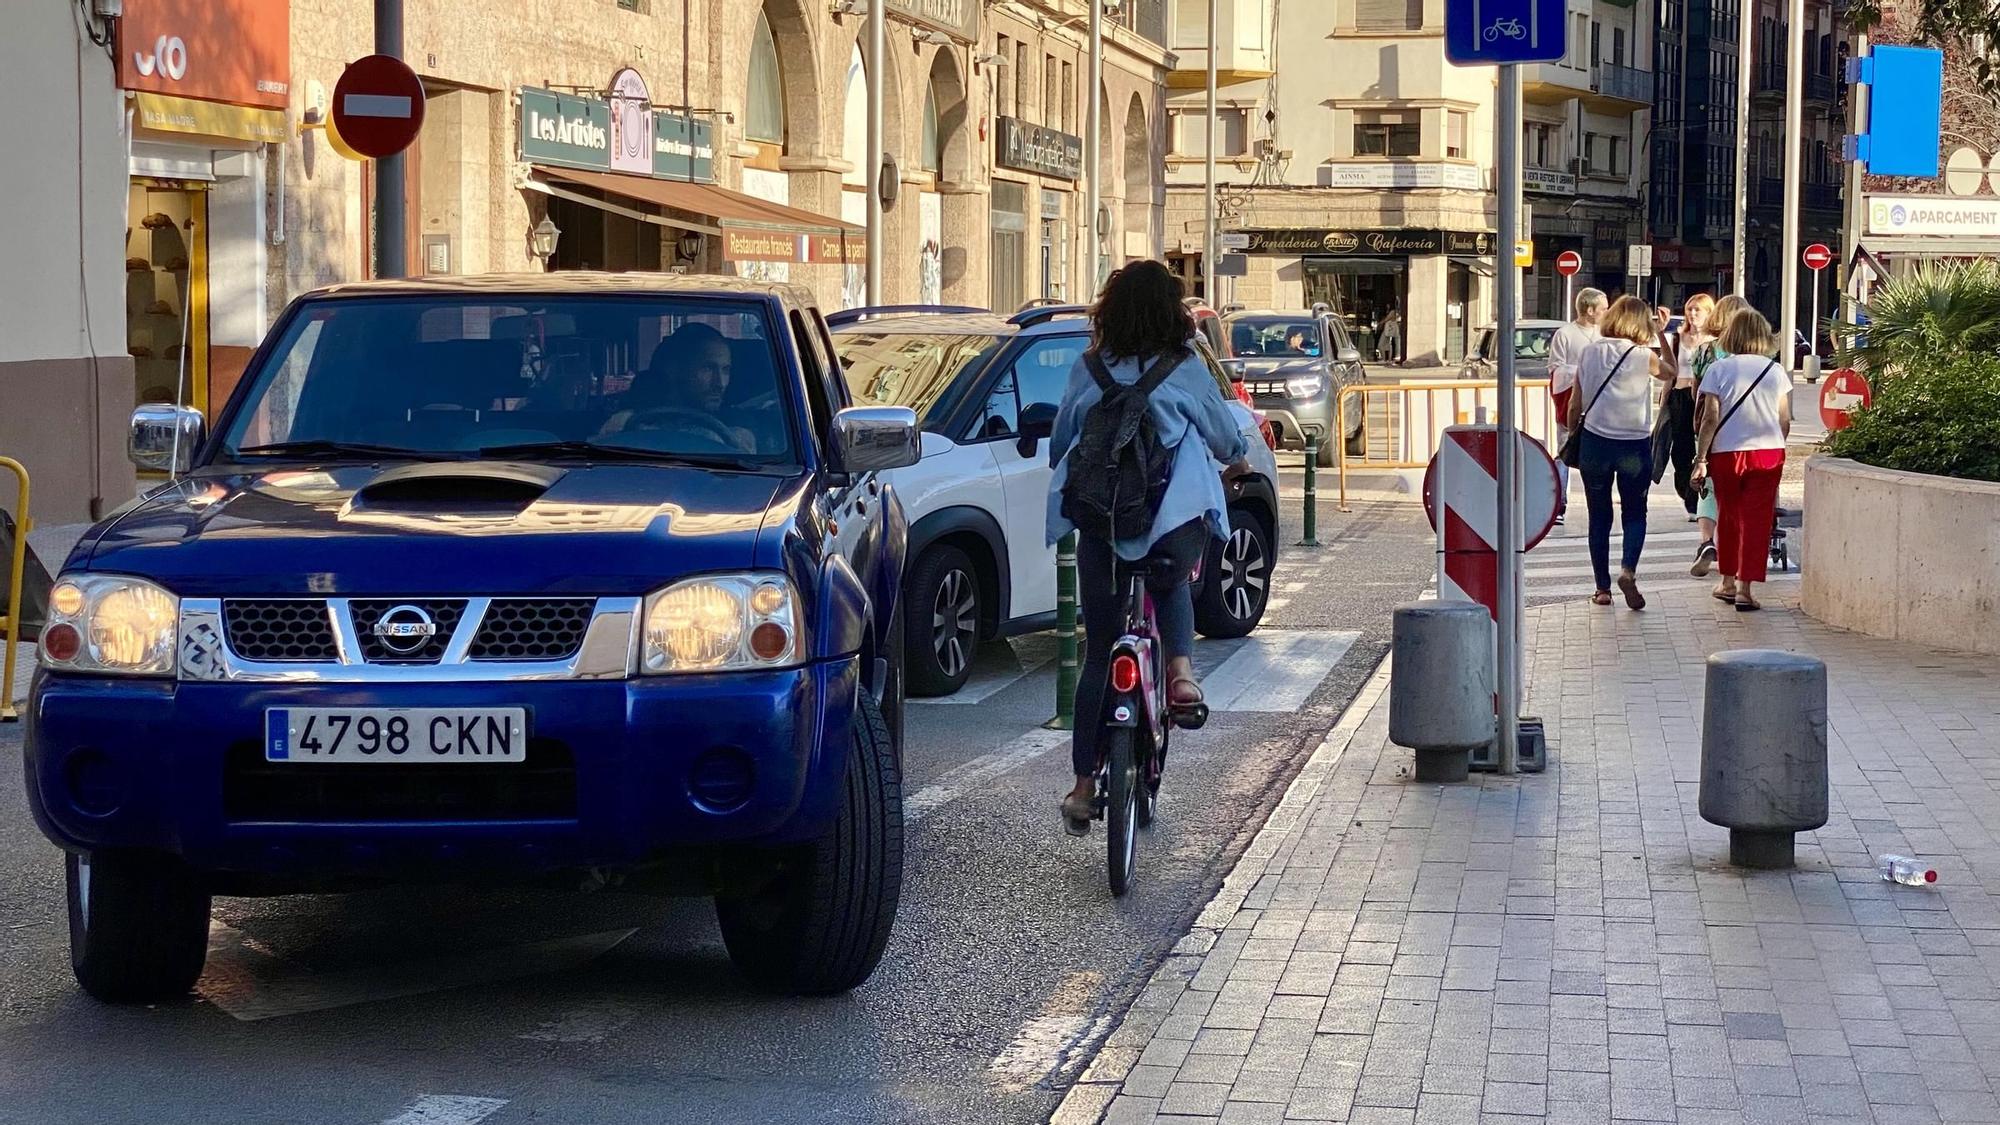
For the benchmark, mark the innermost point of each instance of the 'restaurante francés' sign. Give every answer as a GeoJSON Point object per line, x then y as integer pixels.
{"type": "Point", "coordinates": [1312, 242]}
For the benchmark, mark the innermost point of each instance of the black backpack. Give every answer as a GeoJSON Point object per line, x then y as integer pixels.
{"type": "Point", "coordinates": [1119, 469]}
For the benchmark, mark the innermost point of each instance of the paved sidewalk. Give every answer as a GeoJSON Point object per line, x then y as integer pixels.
{"type": "Point", "coordinates": [1572, 946]}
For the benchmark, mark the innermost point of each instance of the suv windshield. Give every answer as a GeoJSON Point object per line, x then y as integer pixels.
{"type": "Point", "coordinates": [912, 369]}
{"type": "Point", "coordinates": [1529, 343]}
{"type": "Point", "coordinates": [1273, 335]}
{"type": "Point", "coordinates": [437, 376]}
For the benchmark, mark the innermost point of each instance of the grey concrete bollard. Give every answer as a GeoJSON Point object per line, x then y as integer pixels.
{"type": "Point", "coordinates": [1763, 751]}
{"type": "Point", "coordinates": [1441, 685]}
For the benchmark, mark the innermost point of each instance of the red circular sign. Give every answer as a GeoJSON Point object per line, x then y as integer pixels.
{"type": "Point", "coordinates": [378, 106]}
{"type": "Point", "coordinates": [1568, 263]}
{"type": "Point", "coordinates": [1843, 391]}
{"type": "Point", "coordinates": [1817, 256]}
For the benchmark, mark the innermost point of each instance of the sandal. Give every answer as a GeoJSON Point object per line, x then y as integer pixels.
{"type": "Point", "coordinates": [1176, 699]}
{"type": "Point", "coordinates": [1747, 604]}
{"type": "Point", "coordinates": [1722, 595]}
{"type": "Point", "coordinates": [1077, 812]}
{"type": "Point", "coordinates": [1602, 597]}
{"type": "Point", "coordinates": [1628, 585]}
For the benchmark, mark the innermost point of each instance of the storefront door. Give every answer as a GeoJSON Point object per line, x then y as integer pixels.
{"type": "Point", "coordinates": [166, 291]}
{"type": "Point", "coordinates": [1362, 291]}
{"type": "Point", "coordinates": [1008, 267]}
{"type": "Point", "coordinates": [1461, 293]}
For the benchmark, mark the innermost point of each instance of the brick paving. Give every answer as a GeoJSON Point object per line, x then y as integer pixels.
{"type": "Point", "coordinates": [1572, 946]}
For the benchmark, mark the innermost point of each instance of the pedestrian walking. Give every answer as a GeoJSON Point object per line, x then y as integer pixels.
{"type": "Point", "coordinates": [1391, 347]}
{"type": "Point", "coordinates": [1565, 350]}
{"type": "Point", "coordinates": [1613, 410]}
{"type": "Point", "coordinates": [1746, 418]}
{"type": "Point", "coordinates": [1678, 402]}
{"type": "Point", "coordinates": [1705, 356]}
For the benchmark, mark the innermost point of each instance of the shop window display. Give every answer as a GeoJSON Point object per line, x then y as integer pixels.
{"type": "Point", "coordinates": [166, 313]}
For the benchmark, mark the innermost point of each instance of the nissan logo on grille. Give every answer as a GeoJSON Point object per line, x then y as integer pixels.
{"type": "Point", "coordinates": [405, 629]}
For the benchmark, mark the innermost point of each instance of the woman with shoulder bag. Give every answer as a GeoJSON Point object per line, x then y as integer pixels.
{"type": "Point", "coordinates": [1746, 418]}
{"type": "Point", "coordinates": [1612, 426]}
{"type": "Point", "coordinates": [1705, 357]}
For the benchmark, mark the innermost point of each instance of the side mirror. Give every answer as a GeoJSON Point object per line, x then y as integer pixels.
{"type": "Point", "coordinates": [1349, 355]}
{"type": "Point", "coordinates": [1037, 422]}
{"type": "Point", "coordinates": [873, 438]}
{"type": "Point", "coordinates": [163, 437]}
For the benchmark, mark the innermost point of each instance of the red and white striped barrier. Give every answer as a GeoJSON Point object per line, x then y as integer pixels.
{"type": "Point", "coordinates": [1461, 497]}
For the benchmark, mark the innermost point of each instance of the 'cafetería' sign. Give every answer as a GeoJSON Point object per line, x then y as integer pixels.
{"type": "Point", "coordinates": [1309, 242]}
{"type": "Point", "coordinates": [956, 18]}
{"type": "Point", "coordinates": [1033, 148]}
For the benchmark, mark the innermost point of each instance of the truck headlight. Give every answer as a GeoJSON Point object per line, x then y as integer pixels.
{"type": "Point", "coordinates": [1304, 386]}
{"type": "Point", "coordinates": [722, 622]}
{"type": "Point", "coordinates": [111, 623]}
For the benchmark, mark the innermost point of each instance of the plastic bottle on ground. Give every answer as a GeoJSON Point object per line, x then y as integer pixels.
{"type": "Point", "coordinates": [1903, 869]}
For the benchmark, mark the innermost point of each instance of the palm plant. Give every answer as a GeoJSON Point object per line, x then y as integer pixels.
{"type": "Point", "coordinates": [1937, 311]}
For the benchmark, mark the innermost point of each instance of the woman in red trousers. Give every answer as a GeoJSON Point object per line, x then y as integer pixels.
{"type": "Point", "coordinates": [1745, 417]}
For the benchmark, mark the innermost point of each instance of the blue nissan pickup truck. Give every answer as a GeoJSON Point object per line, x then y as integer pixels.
{"type": "Point", "coordinates": [562, 577]}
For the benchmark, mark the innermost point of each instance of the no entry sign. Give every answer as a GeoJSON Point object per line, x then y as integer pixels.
{"type": "Point", "coordinates": [1568, 263]}
{"type": "Point", "coordinates": [1462, 480]}
{"type": "Point", "coordinates": [378, 106]}
{"type": "Point", "coordinates": [1843, 391]}
{"type": "Point", "coordinates": [1817, 257]}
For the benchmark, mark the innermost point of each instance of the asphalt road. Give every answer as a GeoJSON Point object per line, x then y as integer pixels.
{"type": "Point", "coordinates": [1009, 962]}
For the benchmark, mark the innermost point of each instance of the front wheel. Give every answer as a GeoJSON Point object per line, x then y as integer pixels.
{"type": "Point", "coordinates": [819, 927]}
{"type": "Point", "coordinates": [138, 926]}
{"type": "Point", "coordinates": [1238, 586]}
{"type": "Point", "coordinates": [1121, 809]}
{"type": "Point", "coordinates": [941, 627]}
{"type": "Point", "coordinates": [1327, 456]}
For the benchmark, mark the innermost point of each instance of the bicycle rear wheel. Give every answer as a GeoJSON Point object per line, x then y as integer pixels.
{"type": "Point", "coordinates": [1121, 809]}
{"type": "Point", "coordinates": [1148, 785]}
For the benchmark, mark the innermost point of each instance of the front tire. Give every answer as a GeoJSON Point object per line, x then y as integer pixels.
{"type": "Point", "coordinates": [1121, 810]}
{"type": "Point", "coordinates": [1234, 597]}
{"type": "Point", "coordinates": [138, 926]}
{"type": "Point", "coordinates": [819, 927]}
{"type": "Point", "coordinates": [941, 626]}
{"type": "Point", "coordinates": [1327, 456]}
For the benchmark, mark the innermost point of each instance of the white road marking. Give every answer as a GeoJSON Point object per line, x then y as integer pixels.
{"type": "Point", "coordinates": [447, 1109]}
{"type": "Point", "coordinates": [967, 776]}
{"type": "Point", "coordinates": [1043, 1041]}
{"type": "Point", "coordinates": [997, 667]}
{"type": "Point", "coordinates": [1275, 669]}
{"type": "Point", "coordinates": [250, 982]}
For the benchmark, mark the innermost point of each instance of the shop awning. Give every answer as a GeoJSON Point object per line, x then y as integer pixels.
{"type": "Point", "coordinates": [167, 114]}
{"type": "Point", "coordinates": [1480, 266]}
{"type": "Point", "coordinates": [752, 229]}
{"type": "Point", "coordinates": [1316, 264]}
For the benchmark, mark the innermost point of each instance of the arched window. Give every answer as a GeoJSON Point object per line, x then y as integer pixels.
{"type": "Point", "coordinates": [928, 155]}
{"type": "Point", "coordinates": [764, 119]}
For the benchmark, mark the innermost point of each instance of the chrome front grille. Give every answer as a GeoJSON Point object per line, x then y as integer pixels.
{"type": "Point", "coordinates": [532, 629]}
{"type": "Point", "coordinates": [1265, 387]}
{"type": "Point", "coordinates": [372, 618]}
{"type": "Point", "coordinates": [368, 639]}
{"type": "Point", "coordinates": [280, 630]}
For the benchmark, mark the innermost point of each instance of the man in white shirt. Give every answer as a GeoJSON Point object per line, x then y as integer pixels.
{"type": "Point", "coordinates": [1564, 352]}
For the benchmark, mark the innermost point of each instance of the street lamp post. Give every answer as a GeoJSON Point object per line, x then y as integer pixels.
{"type": "Point", "coordinates": [1093, 160]}
{"type": "Point", "coordinates": [877, 65]}
{"type": "Point", "coordinates": [1795, 143]}
{"type": "Point", "coordinates": [1745, 29]}
{"type": "Point", "coordinates": [1208, 263]}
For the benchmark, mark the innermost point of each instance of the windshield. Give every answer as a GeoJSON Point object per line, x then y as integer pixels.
{"type": "Point", "coordinates": [1272, 335]}
{"type": "Point", "coordinates": [437, 376]}
{"type": "Point", "coordinates": [1529, 343]}
{"type": "Point", "coordinates": [913, 369]}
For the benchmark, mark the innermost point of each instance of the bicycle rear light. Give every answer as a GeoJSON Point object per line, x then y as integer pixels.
{"type": "Point", "coordinates": [1124, 672]}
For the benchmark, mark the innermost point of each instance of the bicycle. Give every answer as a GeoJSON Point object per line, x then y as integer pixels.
{"type": "Point", "coordinates": [1138, 716]}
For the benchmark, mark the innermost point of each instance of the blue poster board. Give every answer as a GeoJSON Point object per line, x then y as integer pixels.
{"type": "Point", "coordinates": [1486, 32]}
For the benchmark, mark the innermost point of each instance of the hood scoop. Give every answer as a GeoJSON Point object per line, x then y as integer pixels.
{"type": "Point", "coordinates": [464, 486]}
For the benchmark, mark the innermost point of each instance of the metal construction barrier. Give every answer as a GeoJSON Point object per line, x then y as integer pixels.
{"type": "Point", "coordinates": [1402, 423]}
{"type": "Point", "coordinates": [17, 566]}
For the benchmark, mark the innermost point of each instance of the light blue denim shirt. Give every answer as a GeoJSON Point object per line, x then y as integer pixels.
{"type": "Point", "coordinates": [1193, 421]}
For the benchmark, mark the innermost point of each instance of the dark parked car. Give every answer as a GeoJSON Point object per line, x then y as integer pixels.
{"type": "Point", "coordinates": [1532, 339]}
{"type": "Point", "coordinates": [1295, 365]}
{"type": "Point", "coordinates": [558, 577]}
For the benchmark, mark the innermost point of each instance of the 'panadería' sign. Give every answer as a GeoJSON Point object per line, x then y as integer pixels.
{"type": "Point", "coordinates": [1309, 242]}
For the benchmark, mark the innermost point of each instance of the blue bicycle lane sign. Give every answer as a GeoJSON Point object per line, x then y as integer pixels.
{"type": "Point", "coordinates": [1486, 32]}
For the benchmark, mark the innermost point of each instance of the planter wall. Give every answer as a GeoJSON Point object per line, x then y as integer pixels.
{"type": "Point", "coordinates": [1906, 556]}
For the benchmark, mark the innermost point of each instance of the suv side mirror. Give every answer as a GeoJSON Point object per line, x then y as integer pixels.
{"type": "Point", "coordinates": [873, 438]}
{"type": "Point", "coordinates": [1349, 354]}
{"type": "Point", "coordinates": [1038, 420]}
{"type": "Point", "coordinates": [164, 436]}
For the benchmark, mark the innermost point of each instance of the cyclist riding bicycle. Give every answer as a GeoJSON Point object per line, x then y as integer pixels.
{"type": "Point", "coordinates": [1139, 323]}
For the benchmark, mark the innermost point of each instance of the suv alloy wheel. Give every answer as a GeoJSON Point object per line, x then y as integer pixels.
{"type": "Point", "coordinates": [941, 629]}
{"type": "Point", "coordinates": [1237, 585]}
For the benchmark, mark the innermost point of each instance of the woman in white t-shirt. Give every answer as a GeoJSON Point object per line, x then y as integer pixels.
{"type": "Point", "coordinates": [1616, 386]}
{"type": "Point", "coordinates": [1746, 417]}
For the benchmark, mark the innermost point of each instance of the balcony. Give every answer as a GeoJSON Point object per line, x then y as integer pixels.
{"type": "Point", "coordinates": [1768, 193]}
{"type": "Point", "coordinates": [1619, 89]}
{"type": "Point", "coordinates": [1820, 197]}
{"type": "Point", "coordinates": [1553, 83]}
{"type": "Point", "coordinates": [1819, 87]}
{"type": "Point", "coordinates": [1767, 79]}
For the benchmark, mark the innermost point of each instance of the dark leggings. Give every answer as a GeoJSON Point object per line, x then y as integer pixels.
{"type": "Point", "coordinates": [1680, 423]}
{"type": "Point", "coordinates": [1104, 620]}
{"type": "Point", "coordinates": [1628, 463]}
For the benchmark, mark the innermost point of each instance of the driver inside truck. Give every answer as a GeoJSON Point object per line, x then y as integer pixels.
{"type": "Point", "coordinates": [688, 374]}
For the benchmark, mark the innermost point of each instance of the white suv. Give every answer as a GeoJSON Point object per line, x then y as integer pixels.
{"type": "Point", "coordinates": [985, 389]}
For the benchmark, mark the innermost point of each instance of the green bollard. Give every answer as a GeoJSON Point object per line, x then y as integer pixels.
{"type": "Point", "coordinates": [1066, 649]}
{"type": "Point", "coordinates": [1310, 522]}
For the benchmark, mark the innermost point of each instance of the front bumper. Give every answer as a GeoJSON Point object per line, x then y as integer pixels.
{"type": "Point", "coordinates": [617, 773]}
